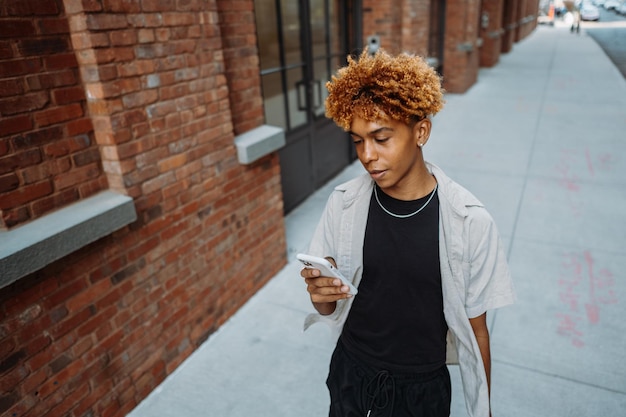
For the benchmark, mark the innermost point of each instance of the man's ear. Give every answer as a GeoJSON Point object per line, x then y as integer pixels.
{"type": "Point", "coordinates": [421, 131]}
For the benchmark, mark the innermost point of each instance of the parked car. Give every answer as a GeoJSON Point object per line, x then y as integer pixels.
{"type": "Point", "coordinates": [589, 12]}
{"type": "Point", "coordinates": [612, 4]}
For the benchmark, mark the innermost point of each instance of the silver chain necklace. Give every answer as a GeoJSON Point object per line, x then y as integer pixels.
{"type": "Point", "coordinates": [404, 216]}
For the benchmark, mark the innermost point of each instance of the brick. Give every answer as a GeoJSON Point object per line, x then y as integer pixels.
{"type": "Point", "coordinates": [76, 176]}
{"type": "Point", "coordinates": [58, 114]}
{"type": "Point", "coordinates": [8, 400]}
{"type": "Point", "coordinates": [15, 28]}
{"type": "Point", "coordinates": [11, 87]}
{"type": "Point", "coordinates": [157, 183]}
{"type": "Point", "coordinates": [78, 127]}
{"type": "Point", "coordinates": [43, 46]}
{"type": "Point", "coordinates": [63, 328]}
{"type": "Point", "coordinates": [7, 345]}
{"type": "Point", "coordinates": [98, 322]}
{"type": "Point", "coordinates": [62, 409]}
{"type": "Point", "coordinates": [60, 379]}
{"type": "Point", "coordinates": [6, 51]}
{"type": "Point", "coordinates": [87, 296]}
{"type": "Point", "coordinates": [135, 148]}
{"type": "Point", "coordinates": [106, 21]}
{"type": "Point", "coordinates": [85, 40]}
{"type": "Point", "coordinates": [68, 95]}
{"type": "Point", "coordinates": [86, 157]}
{"type": "Point", "coordinates": [145, 35]}
{"type": "Point", "coordinates": [128, 271]}
{"type": "Point", "coordinates": [57, 296]}
{"type": "Point", "coordinates": [178, 19]}
{"type": "Point", "coordinates": [53, 26]}
{"type": "Point", "coordinates": [139, 176]}
{"type": "Point", "coordinates": [38, 7]}
{"type": "Point", "coordinates": [37, 137]}
{"type": "Point", "coordinates": [78, 143]}
{"type": "Point", "coordinates": [46, 169]}
{"type": "Point", "coordinates": [52, 79]}
{"type": "Point", "coordinates": [33, 380]}
{"type": "Point", "coordinates": [9, 182]}
{"type": "Point", "coordinates": [122, 6]}
{"type": "Point", "coordinates": [11, 125]}
{"type": "Point", "coordinates": [78, 6]}
{"type": "Point", "coordinates": [19, 160]}
{"type": "Point", "coordinates": [20, 66]}
{"type": "Point", "coordinates": [120, 87]}
{"type": "Point", "coordinates": [140, 98]}
{"type": "Point", "coordinates": [163, 34]}
{"type": "Point", "coordinates": [119, 167]}
{"type": "Point", "coordinates": [156, 5]}
{"type": "Point", "coordinates": [137, 67]}
{"type": "Point", "coordinates": [23, 104]}
{"type": "Point", "coordinates": [15, 216]}
{"type": "Point", "coordinates": [150, 51]}
{"type": "Point", "coordinates": [12, 360]}
{"type": "Point", "coordinates": [25, 194]}
{"type": "Point", "coordinates": [57, 200]}
{"type": "Point", "coordinates": [59, 363]}
{"type": "Point", "coordinates": [57, 148]}
{"type": "Point", "coordinates": [60, 61]}
{"type": "Point", "coordinates": [123, 37]}
{"type": "Point", "coordinates": [171, 163]}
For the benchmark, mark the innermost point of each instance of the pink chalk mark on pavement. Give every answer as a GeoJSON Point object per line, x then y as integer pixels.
{"type": "Point", "coordinates": [567, 176]}
{"type": "Point", "coordinates": [582, 283]}
{"type": "Point", "coordinates": [589, 163]}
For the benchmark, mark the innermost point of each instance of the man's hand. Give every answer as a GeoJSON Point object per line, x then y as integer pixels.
{"type": "Point", "coordinates": [324, 291]}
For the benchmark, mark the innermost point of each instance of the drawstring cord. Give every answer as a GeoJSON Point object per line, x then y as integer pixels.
{"type": "Point", "coordinates": [381, 380]}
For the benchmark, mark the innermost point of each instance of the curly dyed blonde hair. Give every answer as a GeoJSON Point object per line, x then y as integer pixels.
{"type": "Point", "coordinates": [404, 88]}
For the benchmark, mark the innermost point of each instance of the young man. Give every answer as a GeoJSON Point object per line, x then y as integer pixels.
{"type": "Point", "coordinates": [423, 251]}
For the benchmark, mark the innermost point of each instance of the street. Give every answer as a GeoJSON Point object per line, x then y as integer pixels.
{"type": "Point", "coordinates": [609, 32]}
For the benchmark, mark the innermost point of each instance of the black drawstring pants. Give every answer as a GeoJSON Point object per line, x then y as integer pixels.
{"type": "Point", "coordinates": [360, 390]}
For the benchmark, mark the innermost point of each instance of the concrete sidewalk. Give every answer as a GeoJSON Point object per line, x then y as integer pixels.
{"type": "Point", "coordinates": [541, 140]}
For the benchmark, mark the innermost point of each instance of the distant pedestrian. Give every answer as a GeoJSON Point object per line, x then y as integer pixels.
{"type": "Point", "coordinates": [573, 8]}
{"type": "Point", "coordinates": [423, 251]}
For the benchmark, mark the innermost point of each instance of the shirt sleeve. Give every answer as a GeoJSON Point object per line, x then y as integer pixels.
{"type": "Point", "coordinates": [490, 285]}
{"type": "Point", "coordinates": [322, 242]}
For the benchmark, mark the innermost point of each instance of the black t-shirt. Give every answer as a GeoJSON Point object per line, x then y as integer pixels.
{"type": "Point", "coordinates": [396, 320]}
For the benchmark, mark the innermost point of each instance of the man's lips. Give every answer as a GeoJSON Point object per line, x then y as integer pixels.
{"type": "Point", "coordinates": [377, 173]}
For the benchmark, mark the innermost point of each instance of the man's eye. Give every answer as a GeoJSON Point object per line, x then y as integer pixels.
{"type": "Point", "coordinates": [357, 141]}
{"type": "Point", "coordinates": [382, 140]}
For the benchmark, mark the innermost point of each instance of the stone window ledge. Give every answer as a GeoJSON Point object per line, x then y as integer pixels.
{"type": "Point", "coordinates": [30, 247]}
{"type": "Point", "coordinates": [259, 142]}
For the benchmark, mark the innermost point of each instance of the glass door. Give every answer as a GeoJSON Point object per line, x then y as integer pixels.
{"type": "Point", "coordinates": [301, 44]}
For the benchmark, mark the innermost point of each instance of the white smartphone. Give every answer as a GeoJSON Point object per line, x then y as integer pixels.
{"type": "Point", "coordinates": [326, 269]}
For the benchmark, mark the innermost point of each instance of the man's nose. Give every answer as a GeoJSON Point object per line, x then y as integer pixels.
{"type": "Point", "coordinates": [369, 152]}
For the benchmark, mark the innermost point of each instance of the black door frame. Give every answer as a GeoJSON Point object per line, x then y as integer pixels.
{"type": "Point", "coordinates": [316, 150]}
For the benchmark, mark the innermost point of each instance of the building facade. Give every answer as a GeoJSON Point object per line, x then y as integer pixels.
{"type": "Point", "coordinates": [148, 152]}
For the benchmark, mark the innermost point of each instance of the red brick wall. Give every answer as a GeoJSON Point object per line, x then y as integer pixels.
{"type": "Point", "coordinates": [242, 63]}
{"type": "Point", "coordinates": [521, 14]}
{"type": "Point", "coordinates": [95, 332]}
{"type": "Point", "coordinates": [508, 25]}
{"type": "Point", "coordinates": [415, 25]}
{"type": "Point", "coordinates": [383, 18]}
{"type": "Point", "coordinates": [48, 155]}
{"type": "Point", "coordinates": [529, 13]}
{"type": "Point", "coordinates": [402, 25]}
{"type": "Point", "coordinates": [492, 34]}
{"type": "Point", "coordinates": [460, 70]}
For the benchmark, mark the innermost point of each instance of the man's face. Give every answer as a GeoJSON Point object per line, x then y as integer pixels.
{"type": "Point", "coordinates": [389, 151]}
